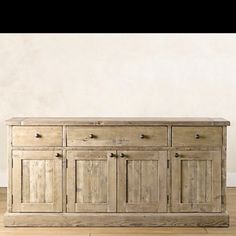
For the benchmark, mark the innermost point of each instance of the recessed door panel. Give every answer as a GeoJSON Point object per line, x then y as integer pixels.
{"type": "Point", "coordinates": [142, 181]}
{"type": "Point", "coordinates": [196, 181]}
{"type": "Point", "coordinates": [37, 181]}
{"type": "Point", "coordinates": [91, 184]}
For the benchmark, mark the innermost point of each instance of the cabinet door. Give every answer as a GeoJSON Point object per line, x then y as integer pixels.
{"type": "Point", "coordinates": [196, 181]}
{"type": "Point", "coordinates": [142, 181]}
{"type": "Point", "coordinates": [91, 181]}
{"type": "Point", "coordinates": [37, 181]}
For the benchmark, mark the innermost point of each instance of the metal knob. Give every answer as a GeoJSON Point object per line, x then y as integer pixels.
{"type": "Point", "coordinates": [111, 154]}
{"type": "Point", "coordinates": [197, 136]}
{"type": "Point", "coordinates": [91, 136]}
{"type": "Point", "coordinates": [58, 154]}
{"type": "Point", "coordinates": [142, 136]}
{"type": "Point", "coordinates": [37, 135]}
{"type": "Point", "coordinates": [176, 154]}
{"type": "Point", "coordinates": [122, 155]}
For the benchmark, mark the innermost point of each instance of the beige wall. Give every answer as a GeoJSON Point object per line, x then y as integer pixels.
{"type": "Point", "coordinates": [118, 75]}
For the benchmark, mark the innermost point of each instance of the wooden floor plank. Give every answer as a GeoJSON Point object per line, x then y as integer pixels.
{"type": "Point", "coordinates": [229, 234]}
{"type": "Point", "coordinates": [164, 234]}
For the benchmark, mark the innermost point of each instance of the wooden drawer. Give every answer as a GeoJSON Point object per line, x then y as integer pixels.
{"type": "Point", "coordinates": [196, 136]}
{"type": "Point", "coordinates": [37, 136]}
{"type": "Point", "coordinates": [117, 136]}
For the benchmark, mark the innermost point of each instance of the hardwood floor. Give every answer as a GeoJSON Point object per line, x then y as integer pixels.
{"type": "Point", "coordinates": [115, 231]}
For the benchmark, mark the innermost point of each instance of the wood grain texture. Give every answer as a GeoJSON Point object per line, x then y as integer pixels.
{"type": "Point", "coordinates": [190, 121]}
{"type": "Point", "coordinates": [131, 230]}
{"type": "Point", "coordinates": [223, 169]}
{"type": "Point", "coordinates": [196, 181]}
{"type": "Point", "coordinates": [91, 181]}
{"type": "Point", "coordinates": [9, 168]}
{"type": "Point", "coordinates": [37, 181]}
{"type": "Point", "coordinates": [116, 219]}
{"type": "Point", "coordinates": [116, 136]}
{"type": "Point", "coordinates": [86, 185]}
{"type": "Point", "coordinates": [142, 181]}
{"type": "Point", "coordinates": [48, 136]}
{"type": "Point", "coordinates": [186, 136]}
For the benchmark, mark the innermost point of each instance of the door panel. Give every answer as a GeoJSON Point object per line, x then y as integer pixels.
{"type": "Point", "coordinates": [37, 181]}
{"type": "Point", "coordinates": [196, 181]}
{"type": "Point", "coordinates": [142, 181]}
{"type": "Point", "coordinates": [91, 182]}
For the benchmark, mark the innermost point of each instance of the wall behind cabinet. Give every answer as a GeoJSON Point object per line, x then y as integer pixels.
{"type": "Point", "coordinates": [118, 75]}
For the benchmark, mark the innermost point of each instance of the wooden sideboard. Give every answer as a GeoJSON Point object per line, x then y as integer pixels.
{"type": "Point", "coordinates": [116, 172]}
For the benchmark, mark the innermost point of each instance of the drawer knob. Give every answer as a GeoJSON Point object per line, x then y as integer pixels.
{"type": "Point", "coordinates": [122, 155]}
{"type": "Point", "coordinates": [91, 136]}
{"type": "Point", "coordinates": [37, 135]}
{"type": "Point", "coordinates": [58, 154]}
{"type": "Point", "coordinates": [197, 136]}
{"type": "Point", "coordinates": [111, 155]}
{"type": "Point", "coordinates": [176, 154]}
{"type": "Point", "coordinates": [142, 136]}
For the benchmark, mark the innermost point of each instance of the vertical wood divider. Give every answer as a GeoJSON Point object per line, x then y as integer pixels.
{"type": "Point", "coordinates": [169, 141]}
{"type": "Point", "coordinates": [64, 170]}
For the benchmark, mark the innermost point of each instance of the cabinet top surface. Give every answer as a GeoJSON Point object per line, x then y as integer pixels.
{"type": "Point", "coordinates": [118, 121]}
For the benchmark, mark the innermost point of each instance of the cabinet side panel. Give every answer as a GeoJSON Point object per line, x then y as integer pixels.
{"type": "Point", "coordinates": [223, 170]}
{"type": "Point", "coordinates": [9, 156]}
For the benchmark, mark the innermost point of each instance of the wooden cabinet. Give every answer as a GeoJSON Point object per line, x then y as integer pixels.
{"type": "Point", "coordinates": [116, 172]}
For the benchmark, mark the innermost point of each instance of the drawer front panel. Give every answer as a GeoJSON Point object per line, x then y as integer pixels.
{"type": "Point", "coordinates": [117, 136]}
{"type": "Point", "coordinates": [196, 136]}
{"type": "Point", "coordinates": [37, 136]}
